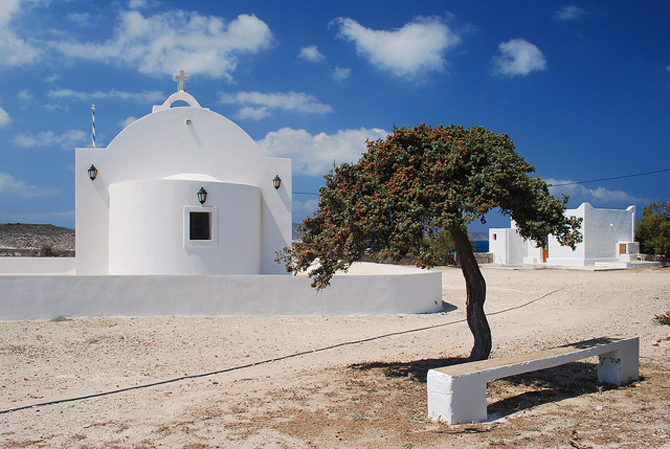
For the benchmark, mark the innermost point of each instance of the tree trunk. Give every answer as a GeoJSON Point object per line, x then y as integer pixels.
{"type": "Point", "coordinates": [475, 285]}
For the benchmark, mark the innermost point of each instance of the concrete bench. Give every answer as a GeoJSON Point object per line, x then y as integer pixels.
{"type": "Point", "coordinates": [457, 394]}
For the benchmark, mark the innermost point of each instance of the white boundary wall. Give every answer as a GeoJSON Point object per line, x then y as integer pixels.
{"type": "Point", "coordinates": [37, 265]}
{"type": "Point", "coordinates": [368, 289]}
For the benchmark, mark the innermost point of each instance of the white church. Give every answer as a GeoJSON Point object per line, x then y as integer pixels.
{"type": "Point", "coordinates": [182, 190]}
{"type": "Point", "coordinates": [181, 214]}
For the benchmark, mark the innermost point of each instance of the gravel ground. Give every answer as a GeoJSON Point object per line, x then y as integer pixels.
{"type": "Point", "coordinates": [344, 382]}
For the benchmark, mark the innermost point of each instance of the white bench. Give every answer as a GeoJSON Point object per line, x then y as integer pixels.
{"type": "Point", "coordinates": [457, 394]}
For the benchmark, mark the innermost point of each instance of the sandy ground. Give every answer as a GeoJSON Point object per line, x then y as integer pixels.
{"type": "Point", "coordinates": [340, 382]}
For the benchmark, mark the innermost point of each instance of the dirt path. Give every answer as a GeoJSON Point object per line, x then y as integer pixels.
{"type": "Point", "coordinates": [343, 382]}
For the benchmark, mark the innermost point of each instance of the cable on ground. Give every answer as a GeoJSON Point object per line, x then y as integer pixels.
{"type": "Point", "coordinates": [266, 361]}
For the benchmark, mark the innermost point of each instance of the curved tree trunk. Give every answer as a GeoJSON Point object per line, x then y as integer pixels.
{"type": "Point", "coordinates": [476, 289]}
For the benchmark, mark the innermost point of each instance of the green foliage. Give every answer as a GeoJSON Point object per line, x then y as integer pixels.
{"type": "Point", "coordinates": [653, 229]}
{"type": "Point", "coordinates": [663, 318]}
{"type": "Point", "coordinates": [418, 181]}
{"type": "Point", "coordinates": [442, 246]}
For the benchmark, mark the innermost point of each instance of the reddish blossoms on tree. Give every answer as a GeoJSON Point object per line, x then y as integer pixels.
{"type": "Point", "coordinates": [419, 181]}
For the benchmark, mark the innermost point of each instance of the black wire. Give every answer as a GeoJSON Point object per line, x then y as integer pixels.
{"type": "Point", "coordinates": [263, 362]}
{"type": "Point", "coordinates": [613, 178]}
{"type": "Point", "coordinates": [564, 183]}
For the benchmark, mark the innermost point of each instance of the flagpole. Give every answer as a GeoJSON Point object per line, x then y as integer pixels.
{"type": "Point", "coordinates": [93, 125]}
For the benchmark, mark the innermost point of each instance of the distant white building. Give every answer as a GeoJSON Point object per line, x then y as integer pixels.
{"type": "Point", "coordinates": [608, 240]}
{"type": "Point", "coordinates": [182, 190]}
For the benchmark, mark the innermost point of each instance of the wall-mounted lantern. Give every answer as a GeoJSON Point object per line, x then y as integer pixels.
{"type": "Point", "coordinates": [92, 172]}
{"type": "Point", "coordinates": [276, 182]}
{"type": "Point", "coordinates": [202, 195]}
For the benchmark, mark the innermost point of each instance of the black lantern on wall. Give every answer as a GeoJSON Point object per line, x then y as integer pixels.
{"type": "Point", "coordinates": [276, 182]}
{"type": "Point", "coordinates": [202, 195]}
{"type": "Point", "coordinates": [92, 172]}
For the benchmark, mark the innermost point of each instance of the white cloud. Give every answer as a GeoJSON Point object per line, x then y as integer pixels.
{"type": "Point", "coordinates": [5, 119]}
{"type": "Point", "coordinates": [251, 113]}
{"type": "Point", "coordinates": [151, 44]}
{"type": "Point", "coordinates": [416, 48]}
{"type": "Point", "coordinates": [597, 197]}
{"type": "Point", "coordinates": [137, 4]}
{"type": "Point", "coordinates": [127, 121]}
{"type": "Point", "coordinates": [314, 155]}
{"type": "Point", "coordinates": [147, 96]}
{"type": "Point", "coordinates": [14, 51]}
{"type": "Point", "coordinates": [67, 140]}
{"type": "Point", "coordinates": [340, 74]}
{"type": "Point", "coordinates": [25, 95]}
{"type": "Point", "coordinates": [83, 19]}
{"type": "Point", "coordinates": [163, 43]}
{"type": "Point", "coordinates": [302, 209]}
{"type": "Point", "coordinates": [311, 54]}
{"type": "Point", "coordinates": [519, 57]}
{"type": "Point", "coordinates": [10, 186]}
{"type": "Point", "coordinates": [257, 105]}
{"type": "Point", "coordinates": [50, 107]}
{"type": "Point", "coordinates": [569, 12]}
{"type": "Point", "coordinates": [9, 8]}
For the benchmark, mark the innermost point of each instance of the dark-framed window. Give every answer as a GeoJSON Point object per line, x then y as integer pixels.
{"type": "Point", "coordinates": [200, 226]}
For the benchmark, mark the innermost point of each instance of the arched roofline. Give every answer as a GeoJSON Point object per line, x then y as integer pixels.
{"type": "Point", "coordinates": [178, 96]}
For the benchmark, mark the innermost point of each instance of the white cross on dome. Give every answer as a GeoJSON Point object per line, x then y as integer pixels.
{"type": "Point", "coordinates": [181, 77]}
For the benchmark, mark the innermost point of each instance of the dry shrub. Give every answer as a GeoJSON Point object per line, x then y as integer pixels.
{"type": "Point", "coordinates": [663, 318]}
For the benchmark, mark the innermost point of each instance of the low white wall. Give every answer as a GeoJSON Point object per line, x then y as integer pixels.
{"type": "Point", "coordinates": [44, 297]}
{"type": "Point", "coordinates": [37, 265]}
{"type": "Point", "coordinates": [568, 262]}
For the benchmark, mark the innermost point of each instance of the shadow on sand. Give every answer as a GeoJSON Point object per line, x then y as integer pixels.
{"type": "Point", "coordinates": [516, 393]}
{"type": "Point", "coordinates": [416, 370]}
{"type": "Point", "coordinates": [511, 394]}
{"type": "Point", "coordinates": [447, 307]}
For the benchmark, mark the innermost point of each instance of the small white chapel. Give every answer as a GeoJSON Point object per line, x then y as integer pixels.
{"type": "Point", "coordinates": [182, 190]}
{"type": "Point", "coordinates": [608, 241]}
{"type": "Point", "coordinates": [181, 215]}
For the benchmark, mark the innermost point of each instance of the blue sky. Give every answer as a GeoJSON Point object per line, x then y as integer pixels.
{"type": "Point", "coordinates": [582, 88]}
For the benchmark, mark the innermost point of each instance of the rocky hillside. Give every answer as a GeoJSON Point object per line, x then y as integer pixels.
{"type": "Point", "coordinates": [33, 239]}
{"type": "Point", "coordinates": [18, 239]}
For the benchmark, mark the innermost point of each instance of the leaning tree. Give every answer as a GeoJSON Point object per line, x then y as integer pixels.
{"type": "Point", "coordinates": [419, 181]}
